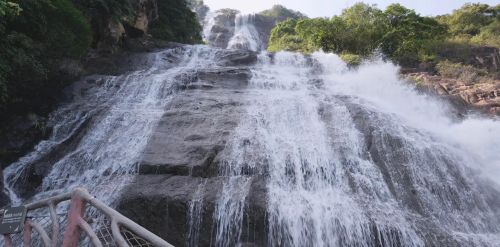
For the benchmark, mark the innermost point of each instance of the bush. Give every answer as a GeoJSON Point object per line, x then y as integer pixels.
{"type": "Point", "coordinates": [489, 35]}
{"type": "Point", "coordinates": [176, 23]}
{"type": "Point", "coordinates": [282, 12]}
{"type": "Point", "coordinates": [361, 29]}
{"type": "Point", "coordinates": [466, 73]}
{"type": "Point", "coordinates": [33, 40]}
{"type": "Point", "coordinates": [57, 25]}
{"type": "Point", "coordinates": [474, 24]}
{"type": "Point", "coordinates": [351, 59]}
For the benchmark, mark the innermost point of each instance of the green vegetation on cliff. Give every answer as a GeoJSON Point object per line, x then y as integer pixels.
{"type": "Point", "coordinates": [38, 37]}
{"type": "Point", "coordinates": [279, 11]}
{"type": "Point", "coordinates": [33, 38]}
{"type": "Point", "coordinates": [176, 22]}
{"type": "Point", "coordinates": [399, 33]}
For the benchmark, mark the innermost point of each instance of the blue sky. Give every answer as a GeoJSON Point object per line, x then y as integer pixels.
{"type": "Point", "coordinates": [316, 8]}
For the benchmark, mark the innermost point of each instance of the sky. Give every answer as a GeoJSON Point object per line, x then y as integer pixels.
{"type": "Point", "coordinates": [328, 8]}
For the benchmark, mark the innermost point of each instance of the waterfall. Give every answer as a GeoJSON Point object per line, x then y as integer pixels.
{"type": "Point", "coordinates": [98, 139]}
{"type": "Point", "coordinates": [208, 24]}
{"type": "Point", "coordinates": [357, 158]}
{"type": "Point", "coordinates": [245, 35]}
{"type": "Point", "coordinates": [346, 157]}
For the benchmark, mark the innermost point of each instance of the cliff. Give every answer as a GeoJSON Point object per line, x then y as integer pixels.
{"type": "Point", "coordinates": [468, 77]}
{"type": "Point", "coordinates": [220, 26]}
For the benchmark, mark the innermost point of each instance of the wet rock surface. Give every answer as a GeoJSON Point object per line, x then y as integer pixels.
{"type": "Point", "coordinates": [203, 103]}
{"type": "Point", "coordinates": [189, 136]}
{"type": "Point", "coordinates": [484, 97]}
{"type": "Point", "coordinates": [162, 204]}
{"type": "Point", "coordinates": [185, 153]}
{"type": "Point", "coordinates": [220, 29]}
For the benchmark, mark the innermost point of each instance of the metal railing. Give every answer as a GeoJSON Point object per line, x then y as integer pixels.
{"type": "Point", "coordinates": [113, 229]}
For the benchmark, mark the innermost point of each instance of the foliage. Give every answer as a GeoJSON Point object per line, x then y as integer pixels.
{"type": "Point", "coordinates": [351, 59]}
{"type": "Point", "coordinates": [282, 12]}
{"type": "Point", "coordinates": [364, 28]}
{"type": "Point", "coordinates": [37, 35]}
{"type": "Point", "coordinates": [176, 22]}
{"type": "Point", "coordinates": [284, 37]}
{"type": "Point", "coordinates": [475, 24]}
{"type": "Point", "coordinates": [489, 35]}
{"type": "Point", "coordinates": [56, 25]}
{"type": "Point", "coordinates": [105, 8]}
{"type": "Point", "coordinates": [409, 35]}
{"type": "Point", "coordinates": [470, 18]}
{"type": "Point", "coordinates": [398, 33]}
{"type": "Point", "coordinates": [466, 73]}
{"type": "Point", "coordinates": [34, 34]}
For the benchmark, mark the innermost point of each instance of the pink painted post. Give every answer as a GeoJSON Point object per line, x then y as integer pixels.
{"type": "Point", "coordinates": [7, 240]}
{"type": "Point", "coordinates": [76, 212]}
{"type": "Point", "coordinates": [27, 233]}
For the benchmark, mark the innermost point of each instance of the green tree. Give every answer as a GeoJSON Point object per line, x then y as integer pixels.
{"type": "Point", "coordinates": [365, 26]}
{"type": "Point", "coordinates": [32, 41]}
{"type": "Point", "coordinates": [409, 34]}
{"type": "Point", "coordinates": [176, 22]}
{"type": "Point", "coordinates": [471, 18]}
{"type": "Point", "coordinates": [8, 10]}
{"type": "Point", "coordinates": [489, 35]}
{"type": "Point", "coordinates": [282, 12]}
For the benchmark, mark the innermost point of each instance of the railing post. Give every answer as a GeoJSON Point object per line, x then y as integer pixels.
{"type": "Point", "coordinates": [27, 233]}
{"type": "Point", "coordinates": [7, 240]}
{"type": "Point", "coordinates": [76, 212]}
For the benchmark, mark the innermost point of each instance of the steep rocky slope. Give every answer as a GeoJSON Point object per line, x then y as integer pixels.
{"type": "Point", "coordinates": [462, 81]}
{"type": "Point", "coordinates": [484, 97]}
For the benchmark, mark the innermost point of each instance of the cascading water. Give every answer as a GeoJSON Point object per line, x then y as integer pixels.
{"type": "Point", "coordinates": [349, 157]}
{"type": "Point", "coordinates": [356, 158]}
{"type": "Point", "coordinates": [245, 34]}
{"type": "Point", "coordinates": [98, 139]}
{"type": "Point", "coordinates": [208, 24]}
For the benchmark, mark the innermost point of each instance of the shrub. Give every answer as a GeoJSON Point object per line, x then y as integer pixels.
{"type": "Point", "coordinates": [176, 23]}
{"type": "Point", "coordinates": [400, 33]}
{"type": "Point", "coordinates": [279, 11]}
{"type": "Point", "coordinates": [32, 42]}
{"type": "Point", "coordinates": [466, 73]}
{"type": "Point", "coordinates": [351, 59]}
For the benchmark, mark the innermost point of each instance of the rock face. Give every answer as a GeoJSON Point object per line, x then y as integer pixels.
{"type": "Point", "coordinates": [481, 57]}
{"type": "Point", "coordinates": [110, 33]}
{"type": "Point", "coordinates": [23, 133]}
{"type": "Point", "coordinates": [215, 147]}
{"type": "Point", "coordinates": [164, 203]}
{"type": "Point", "coordinates": [219, 27]}
{"type": "Point", "coordinates": [183, 176]}
{"type": "Point", "coordinates": [482, 96]}
{"type": "Point", "coordinates": [184, 155]}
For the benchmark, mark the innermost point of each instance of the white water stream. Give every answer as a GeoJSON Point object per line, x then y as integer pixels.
{"type": "Point", "coordinates": [350, 157]}
{"type": "Point", "coordinates": [98, 139]}
{"type": "Point", "coordinates": [410, 172]}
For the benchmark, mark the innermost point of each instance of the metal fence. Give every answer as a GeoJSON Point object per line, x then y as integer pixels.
{"type": "Point", "coordinates": [89, 222]}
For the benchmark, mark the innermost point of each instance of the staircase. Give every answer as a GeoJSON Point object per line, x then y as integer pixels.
{"type": "Point", "coordinates": [88, 222]}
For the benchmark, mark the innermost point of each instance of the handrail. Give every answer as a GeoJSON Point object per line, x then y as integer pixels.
{"type": "Point", "coordinates": [76, 223]}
